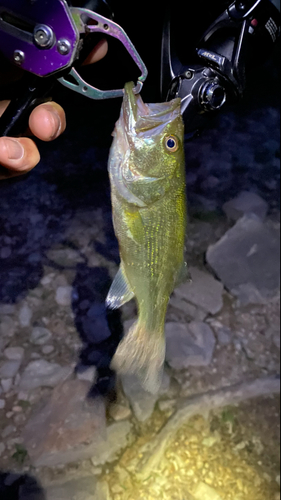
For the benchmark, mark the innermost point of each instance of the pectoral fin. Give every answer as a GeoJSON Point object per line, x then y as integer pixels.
{"type": "Point", "coordinates": [120, 291]}
{"type": "Point", "coordinates": [135, 226]}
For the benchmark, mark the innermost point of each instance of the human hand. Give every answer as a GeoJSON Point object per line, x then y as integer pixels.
{"type": "Point", "coordinates": [46, 122]}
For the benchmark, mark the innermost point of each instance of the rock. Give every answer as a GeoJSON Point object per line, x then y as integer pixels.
{"type": "Point", "coordinates": [6, 384]}
{"type": "Point", "coordinates": [117, 439]}
{"type": "Point", "coordinates": [103, 492]}
{"type": "Point", "coordinates": [63, 295]}
{"type": "Point", "coordinates": [14, 353]}
{"type": "Point", "coordinates": [7, 431]}
{"type": "Point", "coordinates": [35, 355]}
{"type": "Point", "coordinates": [23, 396]}
{"type": "Point", "coordinates": [142, 402]}
{"type": "Point", "coordinates": [71, 428]}
{"type": "Point", "coordinates": [40, 335]}
{"type": "Point", "coordinates": [7, 309]}
{"type": "Point", "coordinates": [64, 430]}
{"type": "Point", "coordinates": [89, 374]}
{"type": "Point", "coordinates": [48, 349]}
{"type": "Point", "coordinates": [2, 449]}
{"type": "Point", "coordinates": [97, 471]}
{"type": "Point", "coordinates": [65, 256]}
{"type": "Point", "coordinates": [168, 405]}
{"type": "Point", "coordinates": [189, 344]}
{"type": "Point", "coordinates": [5, 252]}
{"type": "Point", "coordinates": [25, 315]}
{"type": "Point", "coordinates": [47, 280]}
{"type": "Point", "coordinates": [246, 260]}
{"type": "Point", "coordinates": [204, 291]}
{"type": "Point", "coordinates": [34, 257]}
{"type": "Point", "coordinates": [60, 280]}
{"type": "Point", "coordinates": [116, 488]}
{"type": "Point", "coordinates": [7, 326]}
{"type": "Point", "coordinates": [41, 373]}
{"type": "Point", "coordinates": [83, 488]}
{"type": "Point", "coordinates": [205, 492]}
{"type": "Point", "coordinates": [2, 404]}
{"type": "Point", "coordinates": [246, 203]}
{"type": "Point", "coordinates": [3, 343]}
{"type": "Point", "coordinates": [259, 447]}
{"type": "Point", "coordinates": [210, 441]}
{"type": "Point", "coordinates": [191, 311]}
{"type": "Point", "coordinates": [224, 335]}
{"type": "Point", "coordinates": [276, 340]}
{"type": "Point", "coordinates": [119, 412]}
{"type": "Point", "coordinates": [267, 477]}
{"type": "Point", "coordinates": [9, 369]}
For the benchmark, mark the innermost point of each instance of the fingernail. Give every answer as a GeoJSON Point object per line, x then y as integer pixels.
{"type": "Point", "coordinates": [14, 149]}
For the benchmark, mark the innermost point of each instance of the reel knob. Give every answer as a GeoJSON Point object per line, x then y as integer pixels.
{"type": "Point", "coordinates": [212, 95]}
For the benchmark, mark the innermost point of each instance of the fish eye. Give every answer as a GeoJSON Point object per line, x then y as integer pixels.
{"type": "Point", "coordinates": [171, 143]}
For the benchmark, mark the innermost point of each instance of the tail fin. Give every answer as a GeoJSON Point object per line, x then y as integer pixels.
{"type": "Point", "coordinates": [142, 353]}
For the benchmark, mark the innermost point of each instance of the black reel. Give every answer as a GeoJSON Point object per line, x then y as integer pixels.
{"type": "Point", "coordinates": [207, 75]}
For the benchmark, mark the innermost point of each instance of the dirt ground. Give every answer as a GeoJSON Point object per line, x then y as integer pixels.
{"type": "Point", "coordinates": [64, 206]}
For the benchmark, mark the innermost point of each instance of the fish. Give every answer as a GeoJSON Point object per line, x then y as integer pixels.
{"type": "Point", "coordinates": [148, 194]}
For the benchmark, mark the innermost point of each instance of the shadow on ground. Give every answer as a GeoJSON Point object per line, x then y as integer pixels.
{"type": "Point", "coordinates": [20, 487]}
{"type": "Point", "coordinates": [99, 329]}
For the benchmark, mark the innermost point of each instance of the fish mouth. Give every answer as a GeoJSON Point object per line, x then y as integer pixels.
{"type": "Point", "coordinates": [139, 116]}
{"type": "Point", "coordinates": [133, 107]}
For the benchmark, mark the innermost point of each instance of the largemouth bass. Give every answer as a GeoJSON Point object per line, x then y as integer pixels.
{"type": "Point", "coordinates": [147, 175]}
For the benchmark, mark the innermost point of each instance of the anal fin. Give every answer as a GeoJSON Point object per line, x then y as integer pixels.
{"type": "Point", "coordinates": [120, 291]}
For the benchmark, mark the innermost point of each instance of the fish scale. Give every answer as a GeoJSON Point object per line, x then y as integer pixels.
{"type": "Point", "coordinates": [147, 175]}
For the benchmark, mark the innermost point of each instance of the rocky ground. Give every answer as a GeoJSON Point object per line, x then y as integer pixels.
{"type": "Point", "coordinates": [58, 256]}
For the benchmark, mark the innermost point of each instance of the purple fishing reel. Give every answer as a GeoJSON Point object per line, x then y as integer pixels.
{"type": "Point", "coordinates": [40, 37]}
{"type": "Point", "coordinates": [44, 38]}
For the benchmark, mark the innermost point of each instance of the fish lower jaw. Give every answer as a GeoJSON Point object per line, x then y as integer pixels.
{"type": "Point", "coordinates": [121, 141]}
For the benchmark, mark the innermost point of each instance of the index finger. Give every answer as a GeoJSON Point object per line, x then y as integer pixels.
{"type": "Point", "coordinates": [98, 52]}
{"type": "Point", "coordinates": [3, 106]}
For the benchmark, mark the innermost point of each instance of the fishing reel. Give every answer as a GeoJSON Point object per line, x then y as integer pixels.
{"type": "Point", "coordinates": [206, 76]}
